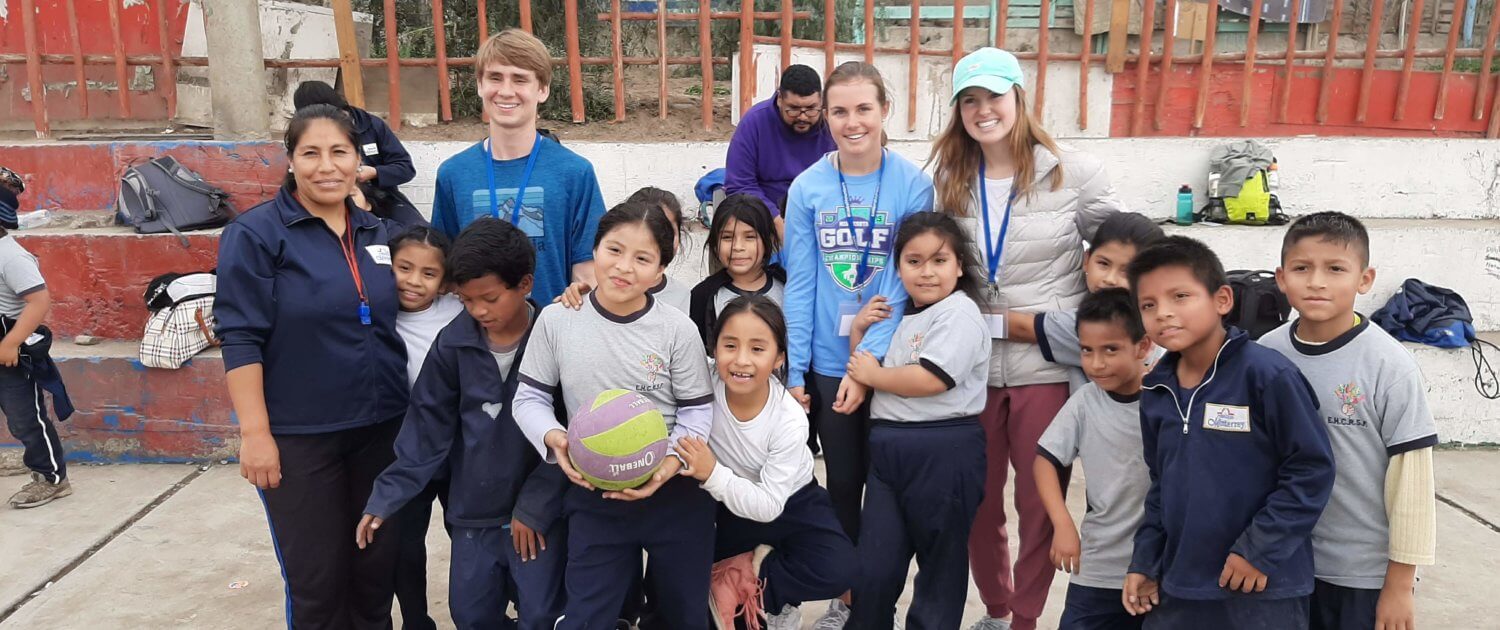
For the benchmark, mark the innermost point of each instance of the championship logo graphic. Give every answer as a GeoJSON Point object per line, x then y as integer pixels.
{"type": "Point", "coordinates": [844, 237]}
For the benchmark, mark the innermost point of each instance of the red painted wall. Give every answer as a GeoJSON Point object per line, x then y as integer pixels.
{"type": "Point", "coordinates": [86, 176]}
{"type": "Point", "coordinates": [129, 413]}
{"type": "Point", "coordinates": [1222, 115]}
{"type": "Point", "coordinates": [137, 30]}
{"type": "Point", "coordinates": [97, 277]}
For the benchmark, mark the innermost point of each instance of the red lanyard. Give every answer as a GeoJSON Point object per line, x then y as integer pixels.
{"type": "Point", "coordinates": [346, 243]}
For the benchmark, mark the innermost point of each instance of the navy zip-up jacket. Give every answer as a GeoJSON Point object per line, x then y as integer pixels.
{"type": "Point", "coordinates": [1241, 464]}
{"type": "Point", "coordinates": [460, 421]}
{"type": "Point", "coordinates": [287, 300]}
{"type": "Point", "coordinates": [380, 149]}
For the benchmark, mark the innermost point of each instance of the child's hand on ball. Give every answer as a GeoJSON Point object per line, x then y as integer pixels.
{"type": "Point", "coordinates": [700, 459]}
{"type": "Point", "coordinates": [557, 440]}
{"type": "Point", "coordinates": [669, 469]}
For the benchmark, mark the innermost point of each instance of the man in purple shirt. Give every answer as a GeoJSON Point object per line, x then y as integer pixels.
{"type": "Point", "coordinates": [777, 139]}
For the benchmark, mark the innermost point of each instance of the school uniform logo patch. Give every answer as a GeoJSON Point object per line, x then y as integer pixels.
{"type": "Point", "coordinates": [655, 366]}
{"type": "Point", "coordinates": [493, 409]}
{"type": "Point", "coordinates": [914, 348]}
{"type": "Point", "coordinates": [845, 234]}
{"type": "Point", "coordinates": [1349, 396]}
{"type": "Point", "coordinates": [1226, 418]}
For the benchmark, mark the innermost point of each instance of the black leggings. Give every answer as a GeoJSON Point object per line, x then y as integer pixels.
{"type": "Point", "coordinates": [846, 449]}
{"type": "Point", "coordinates": [325, 482]}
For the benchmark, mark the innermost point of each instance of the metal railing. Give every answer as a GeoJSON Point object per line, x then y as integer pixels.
{"type": "Point", "coordinates": [1158, 64]}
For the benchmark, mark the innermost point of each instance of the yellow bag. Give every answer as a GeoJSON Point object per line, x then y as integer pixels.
{"type": "Point", "coordinates": [1253, 205]}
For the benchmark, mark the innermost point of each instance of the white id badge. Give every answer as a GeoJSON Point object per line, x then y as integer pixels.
{"type": "Point", "coordinates": [847, 312]}
{"type": "Point", "coordinates": [997, 324]}
{"type": "Point", "coordinates": [381, 254]}
{"type": "Point", "coordinates": [994, 311]}
{"type": "Point", "coordinates": [370, 149]}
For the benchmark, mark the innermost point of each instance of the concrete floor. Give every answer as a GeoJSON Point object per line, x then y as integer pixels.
{"type": "Point", "coordinates": [154, 546]}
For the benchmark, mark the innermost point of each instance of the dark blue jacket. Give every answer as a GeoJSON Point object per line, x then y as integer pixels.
{"type": "Point", "coordinates": [287, 300]}
{"type": "Point", "coordinates": [382, 150]}
{"type": "Point", "coordinates": [1251, 478]}
{"type": "Point", "coordinates": [460, 421]}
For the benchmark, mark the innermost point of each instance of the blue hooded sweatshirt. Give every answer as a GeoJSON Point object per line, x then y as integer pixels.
{"type": "Point", "coordinates": [1241, 464]}
{"type": "Point", "coordinates": [460, 421]}
{"type": "Point", "coordinates": [765, 155]}
{"type": "Point", "coordinates": [287, 300]}
{"type": "Point", "coordinates": [840, 255]}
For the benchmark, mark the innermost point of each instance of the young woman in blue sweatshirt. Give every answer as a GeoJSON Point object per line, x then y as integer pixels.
{"type": "Point", "coordinates": [317, 373]}
{"type": "Point", "coordinates": [842, 215]}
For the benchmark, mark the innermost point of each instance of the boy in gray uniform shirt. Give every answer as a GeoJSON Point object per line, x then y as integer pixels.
{"type": "Point", "coordinates": [1101, 425]}
{"type": "Point", "coordinates": [1380, 521]}
{"type": "Point", "coordinates": [24, 303]}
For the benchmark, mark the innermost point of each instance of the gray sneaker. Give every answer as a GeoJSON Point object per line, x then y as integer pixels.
{"type": "Point", "coordinates": [991, 623]}
{"type": "Point", "coordinates": [40, 492]}
{"type": "Point", "coordinates": [835, 618]}
{"type": "Point", "coordinates": [790, 618]}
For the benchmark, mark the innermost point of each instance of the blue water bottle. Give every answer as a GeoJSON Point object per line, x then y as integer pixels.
{"type": "Point", "coordinates": [1185, 205]}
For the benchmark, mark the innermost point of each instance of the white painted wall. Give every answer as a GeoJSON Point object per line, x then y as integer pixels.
{"type": "Point", "coordinates": [1373, 178]}
{"type": "Point", "coordinates": [289, 30]}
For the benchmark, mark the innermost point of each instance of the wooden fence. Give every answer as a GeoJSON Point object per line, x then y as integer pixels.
{"type": "Point", "coordinates": [1118, 56]}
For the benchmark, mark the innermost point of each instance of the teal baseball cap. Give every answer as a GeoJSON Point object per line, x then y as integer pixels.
{"type": "Point", "coordinates": [990, 68]}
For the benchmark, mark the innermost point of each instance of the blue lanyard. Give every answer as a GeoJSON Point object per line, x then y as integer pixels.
{"type": "Point", "coordinates": [864, 259]}
{"type": "Point", "coordinates": [994, 249]}
{"type": "Point", "coordinates": [515, 211]}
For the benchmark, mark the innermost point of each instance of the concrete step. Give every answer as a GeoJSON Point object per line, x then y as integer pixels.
{"type": "Point", "coordinates": [97, 276]}
{"type": "Point", "coordinates": [1459, 255]}
{"type": "Point", "coordinates": [129, 413]}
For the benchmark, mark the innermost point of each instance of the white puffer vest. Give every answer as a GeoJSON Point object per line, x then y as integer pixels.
{"type": "Point", "coordinates": [1042, 263]}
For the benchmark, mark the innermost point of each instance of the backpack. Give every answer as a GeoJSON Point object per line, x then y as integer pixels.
{"type": "Point", "coordinates": [1421, 313]}
{"type": "Point", "coordinates": [182, 318]}
{"type": "Point", "coordinates": [164, 196]}
{"type": "Point", "coordinates": [1254, 201]}
{"type": "Point", "coordinates": [1259, 305]}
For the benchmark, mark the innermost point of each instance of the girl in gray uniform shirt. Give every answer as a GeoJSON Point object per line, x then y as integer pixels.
{"type": "Point", "coordinates": [927, 459]}
{"type": "Point", "coordinates": [622, 338]}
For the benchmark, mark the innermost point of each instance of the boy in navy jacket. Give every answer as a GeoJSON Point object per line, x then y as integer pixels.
{"type": "Point", "coordinates": [503, 507]}
{"type": "Point", "coordinates": [1240, 462]}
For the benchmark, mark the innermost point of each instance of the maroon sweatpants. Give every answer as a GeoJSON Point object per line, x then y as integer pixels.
{"type": "Point", "coordinates": [1014, 419]}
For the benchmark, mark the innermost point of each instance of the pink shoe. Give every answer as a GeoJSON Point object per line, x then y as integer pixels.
{"type": "Point", "coordinates": [735, 591]}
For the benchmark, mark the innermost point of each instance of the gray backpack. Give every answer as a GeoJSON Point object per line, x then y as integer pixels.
{"type": "Point", "coordinates": [164, 196]}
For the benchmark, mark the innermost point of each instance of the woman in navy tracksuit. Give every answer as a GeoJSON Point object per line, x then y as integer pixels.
{"type": "Point", "coordinates": [306, 307]}
{"type": "Point", "coordinates": [384, 162]}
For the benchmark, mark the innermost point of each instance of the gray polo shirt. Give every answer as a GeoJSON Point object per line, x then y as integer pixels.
{"type": "Point", "coordinates": [19, 276]}
{"type": "Point", "coordinates": [1374, 402]}
{"type": "Point", "coordinates": [950, 339]}
{"type": "Point", "coordinates": [656, 352]}
{"type": "Point", "coordinates": [1104, 430]}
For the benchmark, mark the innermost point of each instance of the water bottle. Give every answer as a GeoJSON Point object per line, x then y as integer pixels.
{"type": "Point", "coordinates": [1184, 205]}
{"type": "Point", "coordinates": [34, 220]}
{"type": "Point", "coordinates": [1273, 177]}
